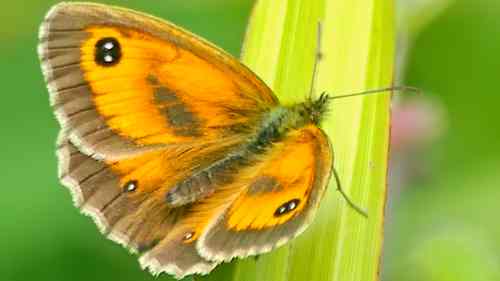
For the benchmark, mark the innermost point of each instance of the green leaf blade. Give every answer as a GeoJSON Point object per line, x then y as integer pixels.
{"type": "Point", "coordinates": [358, 54]}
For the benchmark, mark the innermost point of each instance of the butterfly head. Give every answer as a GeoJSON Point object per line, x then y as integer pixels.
{"type": "Point", "coordinates": [314, 110]}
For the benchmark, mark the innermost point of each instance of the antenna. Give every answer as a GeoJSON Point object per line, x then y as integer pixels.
{"type": "Point", "coordinates": [378, 91]}
{"type": "Point", "coordinates": [318, 56]}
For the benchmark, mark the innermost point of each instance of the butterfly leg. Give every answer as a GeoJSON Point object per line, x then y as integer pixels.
{"type": "Point", "coordinates": [346, 198]}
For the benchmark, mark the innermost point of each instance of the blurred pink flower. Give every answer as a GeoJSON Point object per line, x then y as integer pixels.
{"type": "Point", "coordinates": [415, 123]}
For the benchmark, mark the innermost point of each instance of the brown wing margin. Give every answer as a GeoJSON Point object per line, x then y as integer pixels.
{"type": "Point", "coordinates": [138, 223]}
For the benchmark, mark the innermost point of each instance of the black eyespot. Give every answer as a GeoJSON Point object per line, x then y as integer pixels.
{"type": "Point", "coordinates": [107, 51]}
{"type": "Point", "coordinates": [130, 186]}
{"type": "Point", "coordinates": [287, 207]}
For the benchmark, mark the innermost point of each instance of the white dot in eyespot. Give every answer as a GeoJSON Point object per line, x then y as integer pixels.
{"type": "Point", "coordinates": [188, 236]}
{"type": "Point", "coordinates": [130, 186]}
{"type": "Point", "coordinates": [109, 45]}
{"type": "Point", "coordinates": [292, 205]}
{"type": "Point", "coordinates": [108, 58]}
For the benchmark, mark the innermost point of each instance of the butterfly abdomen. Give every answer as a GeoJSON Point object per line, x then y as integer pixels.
{"type": "Point", "coordinates": [273, 128]}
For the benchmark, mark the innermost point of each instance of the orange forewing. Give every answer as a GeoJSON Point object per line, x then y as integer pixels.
{"type": "Point", "coordinates": [125, 95]}
{"type": "Point", "coordinates": [167, 87]}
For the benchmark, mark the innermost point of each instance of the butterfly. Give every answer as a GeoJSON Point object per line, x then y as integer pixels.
{"type": "Point", "coordinates": [176, 150]}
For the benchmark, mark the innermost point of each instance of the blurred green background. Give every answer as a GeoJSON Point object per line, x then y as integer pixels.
{"type": "Point", "coordinates": [441, 222]}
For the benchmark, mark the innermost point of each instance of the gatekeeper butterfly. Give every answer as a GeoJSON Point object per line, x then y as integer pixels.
{"type": "Point", "coordinates": [176, 150]}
